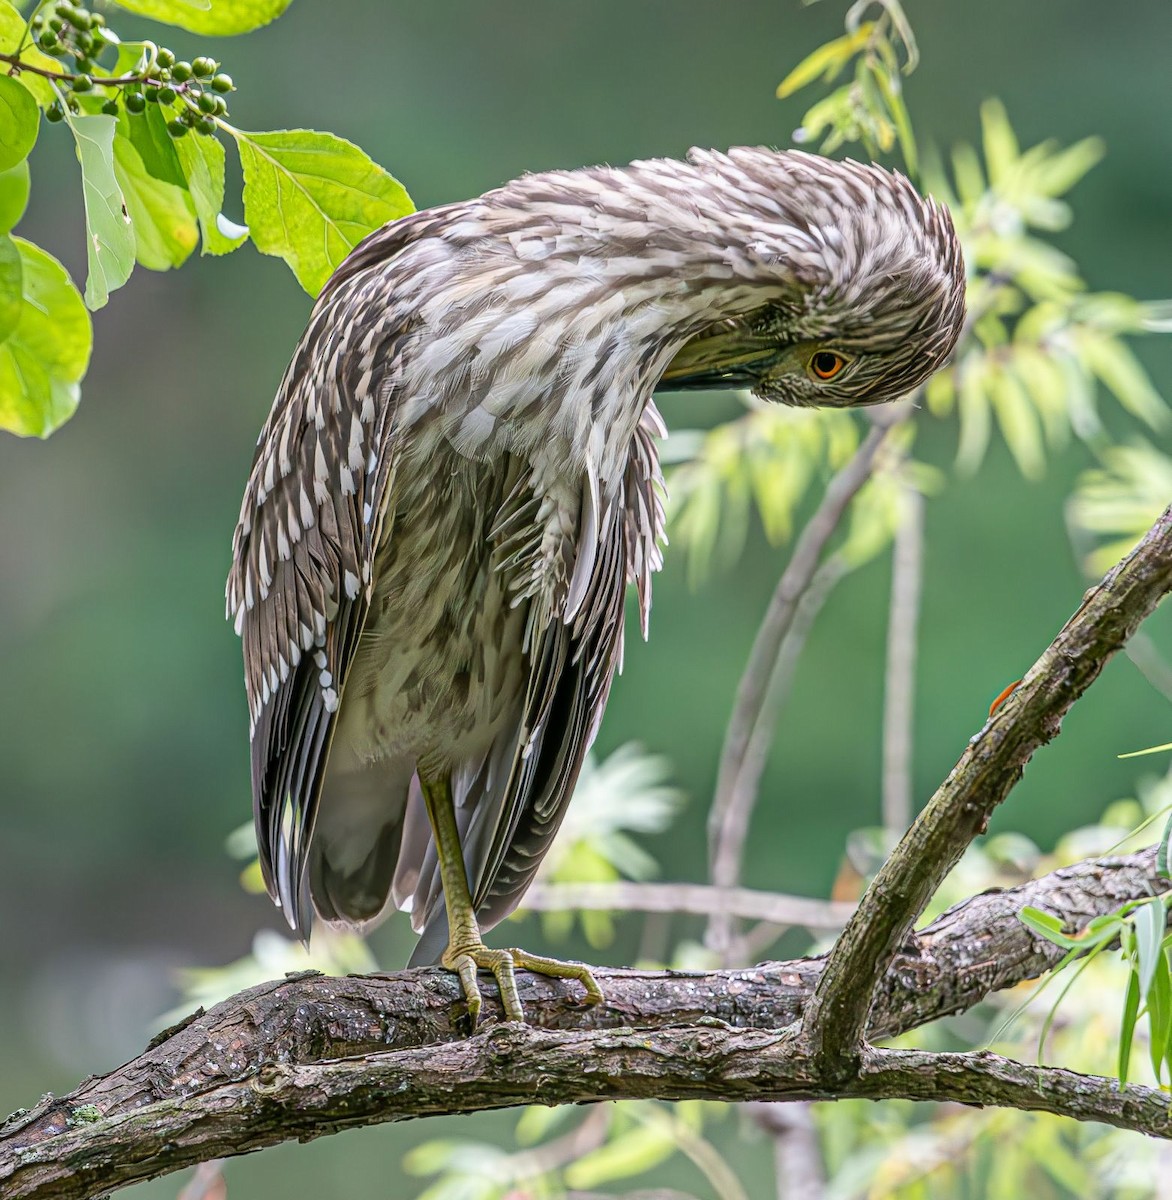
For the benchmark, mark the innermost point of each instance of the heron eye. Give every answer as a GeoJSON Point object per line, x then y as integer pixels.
{"type": "Point", "coordinates": [826, 364]}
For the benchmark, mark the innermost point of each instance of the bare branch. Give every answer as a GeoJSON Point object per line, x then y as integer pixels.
{"type": "Point", "coordinates": [729, 848]}
{"type": "Point", "coordinates": [695, 899]}
{"type": "Point", "coordinates": [834, 1022]}
{"type": "Point", "coordinates": [310, 1055]}
{"type": "Point", "coordinates": [900, 675]}
{"type": "Point", "coordinates": [779, 616]}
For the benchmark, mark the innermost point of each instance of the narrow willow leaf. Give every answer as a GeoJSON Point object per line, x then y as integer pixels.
{"type": "Point", "coordinates": [826, 61]}
{"type": "Point", "coordinates": [14, 187]}
{"type": "Point", "coordinates": [631, 1153]}
{"type": "Point", "coordinates": [1019, 424]}
{"type": "Point", "coordinates": [1049, 927]}
{"type": "Point", "coordinates": [1061, 171]}
{"type": "Point", "coordinates": [1121, 373]}
{"type": "Point", "coordinates": [902, 121]}
{"type": "Point", "coordinates": [202, 160]}
{"type": "Point", "coordinates": [221, 18]}
{"type": "Point", "coordinates": [1149, 750]}
{"type": "Point", "coordinates": [311, 197]}
{"type": "Point", "coordinates": [109, 233]}
{"type": "Point", "coordinates": [1149, 919]}
{"type": "Point", "coordinates": [45, 358]}
{"type": "Point", "coordinates": [966, 168]}
{"type": "Point", "coordinates": [1159, 1015]}
{"type": "Point", "coordinates": [999, 141]}
{"type": "Point", "coordinates": [973, 408]}
{"type": "Point", "coordinates": [12, 30]}
{"type": "Point", "coordinates": [11, 293]}
{"type": "Point", "coordinates": [19, 121]}
{"type": "Point", "coordinates": [1127, 1025]}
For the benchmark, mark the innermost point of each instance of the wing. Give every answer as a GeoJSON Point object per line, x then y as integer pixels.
{"type": "Point", "coordinates": [302, 553]}
{"type": "Point", "coordinates": [573, 661]}
{"type": "Point", "coordinates": [573, 668]}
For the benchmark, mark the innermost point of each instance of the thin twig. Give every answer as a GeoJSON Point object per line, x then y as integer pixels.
{"type": "Point", "coordinates": [696, 899]}
{"type": "Point", "coordinates": [835, 1019]}
{"type": "Point", "coordinates": [796, 577]}
{"type": "Point", "coordinates": [720, 935]}
{"type": "Point", "coordinates": [900, 676]}
{"type": "Point", "coordinates": [797, 1156]}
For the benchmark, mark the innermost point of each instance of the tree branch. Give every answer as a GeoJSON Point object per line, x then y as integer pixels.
{"type": "Point", "coordinates": [311, 1055]}
{"type": "Point", "coordinates": [834, 1022]}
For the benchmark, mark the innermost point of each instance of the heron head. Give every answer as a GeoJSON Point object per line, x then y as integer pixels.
{"type": "Point", "coordinates": [867, 283]}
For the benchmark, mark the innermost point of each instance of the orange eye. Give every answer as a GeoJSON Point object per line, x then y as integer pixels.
{"type": "Point", "coordinates": [826, 364]}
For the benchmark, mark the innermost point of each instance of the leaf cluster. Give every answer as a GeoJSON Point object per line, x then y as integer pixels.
{"type": "Point", "coordinates": [151, 194]}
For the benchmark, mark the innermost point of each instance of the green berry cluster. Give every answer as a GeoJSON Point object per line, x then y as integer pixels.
{"type": "Point", "coordinates": [193, 91]}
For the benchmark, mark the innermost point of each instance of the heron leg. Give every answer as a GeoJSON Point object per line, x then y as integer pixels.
{"type": "Point", "coordinates": [466, 952]}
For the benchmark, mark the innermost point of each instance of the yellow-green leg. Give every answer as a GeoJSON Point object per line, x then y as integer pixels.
{"type": "Point", "coordinates": [466, 952]}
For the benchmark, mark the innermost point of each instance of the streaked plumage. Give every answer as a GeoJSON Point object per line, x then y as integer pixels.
{"type": "Point", "coordinates": [459, 478]}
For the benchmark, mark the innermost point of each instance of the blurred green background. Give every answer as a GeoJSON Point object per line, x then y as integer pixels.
{"type": "Point", "coordinates": [123, 734]}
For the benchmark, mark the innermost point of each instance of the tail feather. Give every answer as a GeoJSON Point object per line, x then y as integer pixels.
{"type": "Point", "coordinates": [356, 841]}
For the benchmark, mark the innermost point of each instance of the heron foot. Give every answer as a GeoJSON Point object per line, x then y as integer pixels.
{"type": "Point", "coordinates": [468, 958]}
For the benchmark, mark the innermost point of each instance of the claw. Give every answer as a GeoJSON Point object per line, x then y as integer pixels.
{"type": "Point", "coordinates": [468, 958]}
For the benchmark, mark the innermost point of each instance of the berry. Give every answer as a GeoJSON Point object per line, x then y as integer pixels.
{"type": "Point", "coordinates": [55, 112]}
{"type": "Point", "coordinates": [181, 71]}
{"type": "Point", "coordinates": [110, 108]}
{"type": "Point", "coordinates": [166, 95]}
{"type": "Point", "coordinates": [47, 39]}
{"type": "Point", "coordinates": [222, 83]}
{"type": "Point", "coordinates": [165, 58]}
{"type": "Point", "coordinates": [56, 24]}
{"type": "Point", "coordinates": [151, 93]}
{"type": "Point", "coordinates": [204, 66]}
{"type": "Point", "coordinates": [97, 19]}
{"type": "Point", "coordinates": [206, 125]}
{"type": "Point", "coordinates": [82, 83]}
{"type": "Point", "coordinates": [176, 128]}
{"type": "Point", "coordinates": [221, 106]}
{"type": "Point", "coordinates": [206, 103]}
{"type": "Point", "coordinates": [135, 102]}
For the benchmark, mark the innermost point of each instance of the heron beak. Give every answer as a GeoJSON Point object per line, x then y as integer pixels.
{"type": "Point", "coordinates": [724, 355]}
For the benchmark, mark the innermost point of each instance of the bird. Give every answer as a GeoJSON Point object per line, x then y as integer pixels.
{"type": "Point", "coordinates": [459, 478]}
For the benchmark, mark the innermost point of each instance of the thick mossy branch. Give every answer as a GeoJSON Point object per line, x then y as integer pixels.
{"type": "Point", "coordinates": [311, 1055]}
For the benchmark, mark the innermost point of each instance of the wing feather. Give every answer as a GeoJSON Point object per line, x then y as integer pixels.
{"type": "Point", "coordinates": [310, 525]}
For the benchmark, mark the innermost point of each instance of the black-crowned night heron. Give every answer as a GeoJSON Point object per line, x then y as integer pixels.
{"type": "Point", "coordinates": [459, 478]}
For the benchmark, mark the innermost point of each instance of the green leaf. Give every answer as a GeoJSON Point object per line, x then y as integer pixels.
{"type": "Point", "coordinates": [221, 18]}
{"type": "Point", "coordinates": [1159, 1016]}
{"type": "Point", "coordinates": [162, 215]}
{"type": "Point", "coordinates": [1150, 919]}
{"type": "Point", "coordinates": [631, 1153]}
{"type": "Point", "coordinates": [109, 232]}
{"type": "Point", "coordinates": [1000, 142]}
{"type": "Point", "coordinates": [44, 359]}
{"type": "Point", "coordinates": [311, 197]}
{"type": "Point", "coordinates": [202, 160]}
{"type": "Point", "coordinates": [826, 61]}
{"type": "Point", "coordinates": [19, 122]}
{"type": "Point", "coordinates": [12, 31]}
{"type": "Point", "coordinates": [158, 150]}
{"type": "Point", "coordinates": [11, 294]}
{"type": "Point", "coordinates": [1127, 1025]}
{"type": "Point", "coordinates": [14, 185]}
{"type": "Point", "coordinates": [1048, 926]}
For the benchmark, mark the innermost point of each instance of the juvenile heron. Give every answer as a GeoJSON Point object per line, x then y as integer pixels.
{"type": "Point", "coordinates": [459, 478]}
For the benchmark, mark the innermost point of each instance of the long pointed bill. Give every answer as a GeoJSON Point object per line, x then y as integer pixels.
{"type": "Point", "coordinates": [724, 356]}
